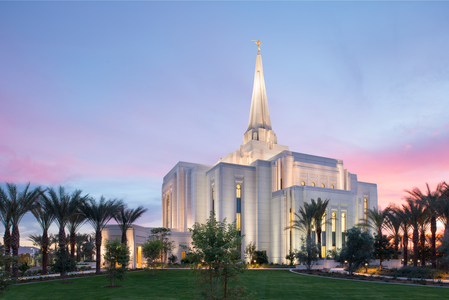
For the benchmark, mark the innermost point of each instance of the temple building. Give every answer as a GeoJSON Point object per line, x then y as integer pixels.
{"type": "Point", "coordinates": [260, 186]}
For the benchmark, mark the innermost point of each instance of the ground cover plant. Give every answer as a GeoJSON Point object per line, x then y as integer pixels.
{"type": "Point", "coordinates": [265, 284]}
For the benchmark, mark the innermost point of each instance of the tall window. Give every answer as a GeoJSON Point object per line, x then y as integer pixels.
{"type": "Point", "coordinates": [334, 229]}
{"type": "Point", "coordinates": [167, 216]}
{"type": "Point", "coordinates": [323, 236]}
{"type": "Point", "coordinates": [183, 254]}
{"type": "Point", "coordinates": [213, 199]}
{"type": "Point", "coordinates": [313, 184]}
{"type": "Point", "coordinates": [238, 193]}
{"type": "Point", "coordinates": [365, 208]}
{"type": "Point", "coordinates": [291, 233]}
{"type": "Point", "coordinates": [343, 229]}
{"type": "Point", "coordinates": [332, 186]}
{"type": "Point", "coordinates": [323, 185]}
{"type": "Point", "coordinates": [303, 183]}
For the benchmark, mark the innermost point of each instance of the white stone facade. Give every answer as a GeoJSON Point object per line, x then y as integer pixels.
{"type": "Point", "coordinates": [274, 183]}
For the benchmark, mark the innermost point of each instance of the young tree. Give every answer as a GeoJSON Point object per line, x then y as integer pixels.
{"type": "Point", "coordinates": [152, 251]}
{"type": "Point", "coordinates": [63, 263]}
{"type": "Point", "coordinates": [308, 253]}
{"type": "Point", "coordinates": [116, 261]}
{"type": "Point", "coordinates": [250, 250]}
{"type": "Point", "coordinates": [163, 234]}
{"type": "Point", "coordinates": [5, 280]}
{"type": "Point", "coordinates": [358, 248]}
{"type": "Point", "coordinates": [216, 244]}
{"type": "Point", "coordinates": [382, 249]}
{"type": "Point", "coordinates": [291, 257]}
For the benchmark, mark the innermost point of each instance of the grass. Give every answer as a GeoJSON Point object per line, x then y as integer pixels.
{"type": "Point", "coordinates": [177, 284]}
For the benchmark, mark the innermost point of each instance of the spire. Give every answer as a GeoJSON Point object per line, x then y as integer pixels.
{"type": "Point", "coordinates": [259, 116]}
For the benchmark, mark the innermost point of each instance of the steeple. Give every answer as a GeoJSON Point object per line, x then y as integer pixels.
{"type": "Point", "coordinates": [259, 125]}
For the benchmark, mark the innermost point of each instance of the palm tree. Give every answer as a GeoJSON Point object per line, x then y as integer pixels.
{"type": "Point", "coordinates": [45, 218]}
{"type": "Point", "coordinates": [376, 219]}
{"type": "Point", "coordinates": [393, 225]}
{"type": "Point", "coordinates": [5, 210]}
{"type": "Point", "coordinates": [63, 206]}
{"type": "Point", "coordinates": [18, 204]}
{"type": "Point", "coordinates": [88, 247]}
{"type": "Point", "coordinates": [98, 214]}
{"type": "Point", "coordinates": [430, 200]}
{"type": "Point", "coordinates": [414, 211]}
{"type": "Point", "coordinates": [304, 220]}
{"type": "Point", "coordinates": [36, 239]}
{"type": "Point", "coordinates": [80, 239]}
{"type": "Point", "coordinates": [423, 221]}
{"type": "Point", "coordinates": [53, 239]}
{"type": "Point", "coordinates": [443, 210]}
{"type": "Point", "coordinates": [75, 222]}
{"type": "Point", "coordinates": [320, 211]}
{"type": "Point", "coordinates": [126, 217]}
{"type": "Point", "coordinates": [405, 227]}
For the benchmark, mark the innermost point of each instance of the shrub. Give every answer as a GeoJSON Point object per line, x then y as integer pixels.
{"type": "Point", "coordinates": [116, 261]}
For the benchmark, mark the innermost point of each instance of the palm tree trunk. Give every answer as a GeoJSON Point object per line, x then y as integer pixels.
{"type": "Point", "coordinates": [423, 248]}
{"type": "Point", "coordinates": [415, 246]}
{"type": "Point", "coordinates": [62, 246]}
{"type": "Point", "coordinates": [7, 243]}
{"type": "Point", "coordinates": [318, 232]}
{"type": "Point", "coordinates": [15, 241]}
{"type": "Point", "coordinates": [396, 246]}
{"type": "Point", "coordinates": [124, 239]}
{"type": "Point", "coordinates": [78, 252]}
{"type": "Point", "coordinates": [44, 252]}
{"type": "Point", "coordinates": [72, 244]}
{"type": "Point", "coordinates": [433, 229]}
{"type": "Point", "coordinates": [405, 246]}
{"type": "Point", "coordinates": [98, 251]}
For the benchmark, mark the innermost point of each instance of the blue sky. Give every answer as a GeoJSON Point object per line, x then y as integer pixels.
{"type": "Point", "coordinates": [108, 96]}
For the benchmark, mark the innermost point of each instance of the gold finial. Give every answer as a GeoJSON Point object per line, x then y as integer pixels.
{"type": "Point", "coordinates": [258, 45]}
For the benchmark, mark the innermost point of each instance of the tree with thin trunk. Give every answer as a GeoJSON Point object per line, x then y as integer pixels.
{"type": "Point", "coordinates": [126, 217]}
{"type": "Point", "coordinates": [393, 225]}
{"type": "Point", "coordinates": [98, 214]}
{"type": "Point", "coordinates": [63, 205]}
{"type": "Point", "coordinates": [320, 213]}
{"type": "Point", "coordinates": [45, 218]}
{"type": "Point", "coordinates": [74, 223]}
{"type": "Point", "coordinates": [413, 212]}
{"type": "Point", "coordinates": [430, 199]}
{"type": "Point", "coordinates": [18, 204]}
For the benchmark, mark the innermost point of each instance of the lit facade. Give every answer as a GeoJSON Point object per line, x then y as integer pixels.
{"type": "Point", "coordinates": [260, 186]}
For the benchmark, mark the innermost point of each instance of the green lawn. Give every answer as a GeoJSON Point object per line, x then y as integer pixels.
{"type": "Point", "coordinates": [268, 284]}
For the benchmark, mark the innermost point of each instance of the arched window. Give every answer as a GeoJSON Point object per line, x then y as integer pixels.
{"type": "Point", "coordinates": [332, 186]}
{"type": "Point", "coordinates": [167, 215]}
{"type": "Point", "coordinates": [323, 185]}
{"type": "Point", "coordinates": [313, 184]}
{"type": "Point", "coordinates": [303, 183]}
{"type": "Point", "coordinates": [334, 229]}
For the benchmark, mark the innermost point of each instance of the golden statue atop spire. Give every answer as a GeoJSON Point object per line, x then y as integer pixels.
{"type": "Point", "coordinates": [258, 45]}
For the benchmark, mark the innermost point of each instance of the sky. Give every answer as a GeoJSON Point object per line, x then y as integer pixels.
{"type": "Point", "coordinates": [107, 97]}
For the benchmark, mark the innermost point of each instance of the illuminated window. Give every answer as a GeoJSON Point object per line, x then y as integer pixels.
{"type": "Point", "coordinates": [291, 233]}
{"type": "Point", "coordinates": [183, 254]}
{"type": "Point", "coordinates": [323, 185]}
{"type": "Point", "coordinates": [313, 184]}
{"type": "Point", "coordinates": [303, 183]}
{"type": "Point", "coordinates": [343, 229]}
{"type": "Point", "coordinates": [213, 198]}
{"type": "Point", "coordinates": [365, 208]}
{"type": "Point", "coordinates": [323, 236]}
{"type": "Point", "coordinates": [332, 186]}
{"type": "Point", "coordinates": [238, 217]}
{"type": "Point", "coordinates": [334, 229]}
{"type": "Point", "coordinates": [167, 216]}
